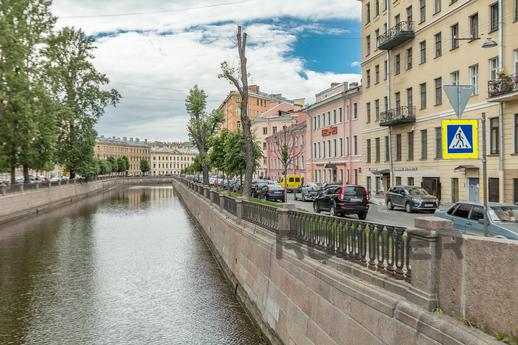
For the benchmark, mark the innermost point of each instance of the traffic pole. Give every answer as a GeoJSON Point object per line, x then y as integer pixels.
{"type": "Point", "coordinates": [484, 175]}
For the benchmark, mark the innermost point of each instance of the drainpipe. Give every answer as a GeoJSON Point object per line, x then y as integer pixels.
{"type": "Point", "coordinates": [501, 104]}
{"type": "Point", "coordinates": [389, 102]}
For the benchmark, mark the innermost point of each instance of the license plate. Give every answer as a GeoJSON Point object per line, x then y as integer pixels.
{"type": "Point", "coordinates": [356, 199]}
{"type": "Point", "coordinates": [428, 205]}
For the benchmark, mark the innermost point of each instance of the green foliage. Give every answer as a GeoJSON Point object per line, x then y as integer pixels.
{"type": "Point", "coordinates": [195, 167]}
{"type": "Point", "coordinates": [121, 164]}
{"type": "Point", "coordinates": [113, 164]}
{"type": "Point", "coordinates": [144, 166]}
{"type": "Point", "coordinates": [126, 163]}
{"type": "Point", "coordinates": [104, 167]}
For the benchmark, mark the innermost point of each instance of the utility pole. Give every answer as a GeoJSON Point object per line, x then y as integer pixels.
{"type": "Point", "coordinates": [484, 175]}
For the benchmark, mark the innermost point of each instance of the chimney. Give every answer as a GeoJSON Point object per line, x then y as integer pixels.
{"type": "Point", "coordinates": [131, 139]}
{"type": "Point", "coordinates": [253, 88]}
{"type": "Point", "coordinates": [137, 140]}
{"type": "Point", "coordinates": [145, 140]}
{"type": "Point", "coordinates": [124, 139]}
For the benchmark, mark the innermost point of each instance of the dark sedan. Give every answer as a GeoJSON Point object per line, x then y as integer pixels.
{"type": "Point", "coordinates": [271, 192]}
{"type": "Point", "coordinates": [341, 200]}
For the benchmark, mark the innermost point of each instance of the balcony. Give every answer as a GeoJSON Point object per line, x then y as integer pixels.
{"type": "Point", "coordinates": [398, 34]}
{"type": "Point", "coordinates": [503, 89]}
{"type": "Point", "coordinates": [397, 116]}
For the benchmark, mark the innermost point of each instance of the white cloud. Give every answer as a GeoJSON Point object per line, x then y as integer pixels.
{"type": "Point", "coordinates": [154, 71]}
{"type": "Point", "coordinates": [356, 64]}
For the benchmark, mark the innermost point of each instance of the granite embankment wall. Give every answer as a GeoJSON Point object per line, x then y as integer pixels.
{"type": "Point", "coordinates": [34, 201]}
{"type": "Point", "coordinates": [299, 300]}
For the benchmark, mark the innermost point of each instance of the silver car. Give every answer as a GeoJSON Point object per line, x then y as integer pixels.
{"type": "Point", "coordinates": [468, 217]}
{"type": "Point", "coordinates": [308, 191]}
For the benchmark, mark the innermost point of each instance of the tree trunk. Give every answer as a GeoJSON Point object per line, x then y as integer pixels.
{"type": "Point", "coordinates": [286, 184]}
{"type": "Point", "coordinates": [13, 175]}
{"type": "Point", "coordinates": [26, 178]}
{"type": "Point", "coordinates": [205, 171]}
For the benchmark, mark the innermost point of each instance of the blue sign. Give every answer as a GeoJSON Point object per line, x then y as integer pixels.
{"type": "Point", "coordinates": [460, 139]}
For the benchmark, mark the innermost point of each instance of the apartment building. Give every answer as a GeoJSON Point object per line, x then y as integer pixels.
{"type": "Point", "coordinates": [135, 149]}
{"type": "Point", "coordinates": [294, 138]}
{"type": "Point", "coordinates": [170, 161]}
{"type": "Point", "coordinates": [410, 50]}
{"type": "Point", "coordinates": [334, 125]}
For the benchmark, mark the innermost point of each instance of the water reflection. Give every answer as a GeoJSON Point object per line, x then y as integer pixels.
{"type": "Point", "coordinates": [124, 268]}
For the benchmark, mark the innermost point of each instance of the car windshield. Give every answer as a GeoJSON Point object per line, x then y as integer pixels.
{"type": "Point", "coordinates": [504, 213]}
{"type": "Point", "coordinates": [417, 191]}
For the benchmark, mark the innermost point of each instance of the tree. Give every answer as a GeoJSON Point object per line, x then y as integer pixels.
{"type": "Point", "coordinates": [79, 87]}
{"type": "Point", "coordinates": [217, 151]}
{"type": "Point", "coordinates": [126, 164]}
{"type": "Point", "coordinates": [144, 166]}
{"type": "Point", "coordinates": [287, 152]}
{"type": "Point", "coordinates": [104, 167]}
{"type": "Point", "coordinates": [113, 164]}
{"type": "Point", "coordinates": [121, 164]}
{"type": "Point", "coordinates": [235, 156]}
{"type": "Point", "coordinates": [201, 126]}
{"type": "Point", "coordinates": [241, 84]}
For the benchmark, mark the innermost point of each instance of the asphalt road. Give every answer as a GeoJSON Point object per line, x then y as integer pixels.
{"type": "Point", "coordinates": [377, 213]}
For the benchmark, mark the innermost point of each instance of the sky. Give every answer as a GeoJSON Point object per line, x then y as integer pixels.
{"type": "Point", "coordinates": [154, 51]}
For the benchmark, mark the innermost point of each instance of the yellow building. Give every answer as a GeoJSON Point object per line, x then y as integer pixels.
{"type": "Point", "coordinates": [410, 50]}
{"type": "Point", "coordinates": [135, 149]}
{"type": "Point", "coordinates": [171, 161]}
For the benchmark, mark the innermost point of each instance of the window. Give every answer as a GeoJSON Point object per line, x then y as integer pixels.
{"type": "Point", "coordinates": [515, 10]}
{"type": "Point", "coordinates": [493, 68]}
{"type": "Point", "coordinates": [473, 26]}
{"type": "Point", "coordinates": [378, 148]}
{"type": "Point", "coordinates": [398, 147]}
{"type": "Point", "coordinates": [437, 6]}
{"type": "Point", "coordinates": [454, 189]}
{"type": "Point", "coordinates": [409, 16]}
{"type": "Point", "coordinates": [387, 149]}
{"type": "Point", "coordinates": [376, 8]}
{"type": "Point", "coordinates": [422, 49]}
{"type": "Point", "coordinates": [493, 192]}
{"type": "Point", "coordinates": [385, 100]}
{"type": "Point", "coordinates": [385, 4]}
{"type": "Point", "coordinates": [238, 124]}
{"type": "Point", "coordinates": [368, 112]}
{"type": "Point", "coordinates": [314, 150]}
{"type": "Point", "coordinates": [454, 78]}
{"type": "Point", "coordinates": [368, 14]}
{"type": "Point", "coordinates": [377, 35]}
{"type": "Point", "coordinates": [424, 144]}
{"type": "Point", "coordinates": [355, 141]}
{"type": "Point", "coordinates": [324, 149]}
{"type": "Point", "coordinates": [438, 142]}
{"type": "Point", "coordinates": [409, 97]}
{"type": "Point", "coordinates": [454, 35]}
{"type": "Point", "coordinates": [438, 44]}
{"type": "Point", "coordinates": [334, 147]}
{"type": "Point", "coordinates": [493, 17]}
{"type": "Point", "coordinates": [493, 136]}
{"type": "Point", "coordinates": [377, 74]}
{"type": "Point", "coordinates": [438, 91]}
{"type": "Point", "coordinates": [265, 130]}
{"type": "Point", "coordinates": [422, 92]}
{"type": "Point", "coordinates": [341, 147]}
{"type": "Point", "coordinates": [347, 147]}
{"type": "Point", "coordinates": [274, 129]}
{"type": "Point", "coordinates": [473, 78]}
{"type": "Point", "coordinates": [477, 213]}
{"type": "Point", "coordinates": [410, 181]}
{"type": "Point", "coordinates": [411, 146]}
{"type": "Point", "coordinates": [409, 58]}
{"type": "Point", "coordinates": [377, 106]}
{"type": "Point", "coordinates": [516, 133]}
{"type": "Point", "coordinates": [515, 62]}
{"type": "Point", "coordinates": [422, 11]}
{"type": "Point", "coordinates": [462, 211]}
{"type": "Point", "coordinates": [398, 100]}
{"type": "Point", "coordinates": [355, 110]}
{"type": "Point", "coordinates": [397, 20]}
{"type": "Point", "coordinates": [340, 114]}
{"type": "Point", "coordinates": [368, 42]}
{"type": "Point", "coordinates": [398, 64]}
{"type": "Point", "coordinates": [368, 150]}
{"type": "Point", "coordinates": [368, 78]}
{"type": "Point", "coordinates": [323, 120]}
{"type": "Point", "coordinates": [385, 70]}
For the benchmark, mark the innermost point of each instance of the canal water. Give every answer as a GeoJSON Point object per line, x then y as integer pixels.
{"type": "Point", "coordinates": [125, 268]}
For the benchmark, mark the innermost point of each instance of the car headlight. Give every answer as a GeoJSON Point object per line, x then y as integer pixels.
{"type": "Point", "coordinates": [417, 200]}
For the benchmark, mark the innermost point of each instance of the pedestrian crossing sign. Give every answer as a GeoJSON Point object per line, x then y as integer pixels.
{"type": "Point", "coordinates": [460, 139]}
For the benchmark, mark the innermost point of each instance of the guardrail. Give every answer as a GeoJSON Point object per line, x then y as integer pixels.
{"type": "Point", "coordinates": [380, 247]}
{"type": "Point", "coordinates": [266, 216]}
{"type": "Point", "coordinates": [230, 205]}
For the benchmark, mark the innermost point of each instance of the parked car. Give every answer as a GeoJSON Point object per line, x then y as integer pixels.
{"type": "Point", "coordinates": [271, 192]}
{"type": "Point", "coordinates": [468, 217]}
{"type": "Point", "coordinates": [308, 191]}
{"type": "Point", "coordinates": [343, 200]}
{"type": "Point", "coordinates": [257, 185]}
{"type": "Point", "coordinates": [411, 198]}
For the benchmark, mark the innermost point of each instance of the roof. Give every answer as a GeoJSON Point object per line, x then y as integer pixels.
{"type": "Point", "coordinates": [122, 141]}
{"type": "Point", "coordinates": [179, 150]}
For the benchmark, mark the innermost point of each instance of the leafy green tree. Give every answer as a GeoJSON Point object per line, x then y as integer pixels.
{"type": "Point", "coordinates": [113, 164]}
{"type": "Point", "coordinates": [144, 166]}
{"type": "Point", "coordinates": [217, 151]}
{"type": "Point", "coordinates": [235, 155]}
{"type": "Point", "coordinates": [80, 88]}
{"type": "Point", "coordinates": [201, 126]}
{"type": "Point", "coordinates": [126, 164]}
{"type": "Point", "coordinates": [121, 164]}
{"type": "Point", "coordinates": [104, 167]}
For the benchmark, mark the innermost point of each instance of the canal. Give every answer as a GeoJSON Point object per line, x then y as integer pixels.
{"type": "Point", "coordinates": [127, 267]}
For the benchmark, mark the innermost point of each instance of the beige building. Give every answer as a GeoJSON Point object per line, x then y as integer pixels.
{"type": "Point", "coordinates": [135, 149]}
{"type": "Point", "coordinates": [170, 161]}
{"type": "Point", "coordinates": [410, 50]}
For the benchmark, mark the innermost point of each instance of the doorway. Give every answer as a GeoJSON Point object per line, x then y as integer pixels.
{"type": "Point", "coordinates": [474, 189]}
{"type": "Point", "coordinates": [433, 186]}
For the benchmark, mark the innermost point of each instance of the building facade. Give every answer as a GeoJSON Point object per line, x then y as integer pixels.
{"type": "Point", "coordinates": [334, 126]}
{"type": "Point", "coordinates": [135, 149]}
{"type": "Point", "coordinates": [410, 50]}
{"type": "Point", "coordinates": [170, 161]}
{"type": "Point", "coordinates": [294, 137]}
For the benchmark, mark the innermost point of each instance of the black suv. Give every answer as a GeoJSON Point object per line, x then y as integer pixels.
{"type": "Point", "coordinates": [411, 198]}
{"type": "Point", "coordinates": [341, 200]}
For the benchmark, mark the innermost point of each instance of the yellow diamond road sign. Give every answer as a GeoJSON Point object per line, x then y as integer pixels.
{"type": "Point", "coordinates": [460, 139]}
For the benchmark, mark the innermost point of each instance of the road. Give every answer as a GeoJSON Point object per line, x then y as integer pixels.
{"type": "Point", "coordinates": [377, 213]}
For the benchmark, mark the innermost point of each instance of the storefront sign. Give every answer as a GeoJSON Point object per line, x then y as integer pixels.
{"type": "Point", "coordinates": [329, 131]}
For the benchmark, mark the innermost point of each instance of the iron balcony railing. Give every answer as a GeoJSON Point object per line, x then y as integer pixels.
{"type": "Point", "coordinates": [397, 116]}
{"type": "Point", "coordinates": [263, 215]}
{"type": "Point", "coordinates": [398, 34]}
{"type": "Point", "coordinates": [503, 85]}
{"type": "Point", "coordinates": [380, 247]}
{"type": "Point", "coordinates": [229, 204]}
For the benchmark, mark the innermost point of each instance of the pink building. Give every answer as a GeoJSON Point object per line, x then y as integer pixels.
{"type": "Point", "coordinates": [333, 135]}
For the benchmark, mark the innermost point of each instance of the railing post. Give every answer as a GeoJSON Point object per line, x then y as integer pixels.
{"type": "Point", "coordinates": [239, 209]}
{"type": "Point", "coordinates": [212, 196]}
{"type": "Point", "coordinates": [206, 191]}
{"type": "Point", "coordinates": [222, 196]}
{"type": "Point", "coordinates": [423, 255]}
{"type": "Point", "coordinates": [3, 190]}
{"type": "Point", "coordinates": [21, 187]}
{"type": "Point", "coordinates": [284, 219]}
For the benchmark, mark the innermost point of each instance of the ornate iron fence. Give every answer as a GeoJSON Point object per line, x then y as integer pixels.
{"type": "Point", "coordinates": [380, 247]}
{"type": "Point", "coordinates": [263, 215]}
{"type": "Point", "coordinates": [229, 204]}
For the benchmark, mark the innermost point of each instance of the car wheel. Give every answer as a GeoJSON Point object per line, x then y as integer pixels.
{"type": "Point", "coordinates": [332, 211]}
{"type": "Point", "coordinates": [362, 215]}
{"type": "Point", "coordinates": [408, 207]}
{"type": "Point", "coordinates": [390, 205]}
{"type": "Point", "coordinates": [315, 207]}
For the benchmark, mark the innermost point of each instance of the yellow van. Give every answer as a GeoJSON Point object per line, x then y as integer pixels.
{"type": "Point", "coordinates": [294, 182]}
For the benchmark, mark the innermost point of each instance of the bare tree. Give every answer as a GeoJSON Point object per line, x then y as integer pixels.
{"type": "Point", "coordinates": [239, 78]}
{"type": "Point", "coordinates": [287, 151]}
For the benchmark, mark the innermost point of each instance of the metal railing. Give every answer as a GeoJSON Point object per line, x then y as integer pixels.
{"type": "Point", "coordinates": [404, 28]}
{"type": "Point", "coordinates": [229, 204]}
{"type": "Point", "coordinates": [215, 198]}
{"type": "Point", "coordinates": [398, 115]}
{"type": "Point", "coordinates": [380, 247]}
{"type": "Point", "coordinates": [263, 215]}
{"type": "Point", "coordinates": [504, 85]}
